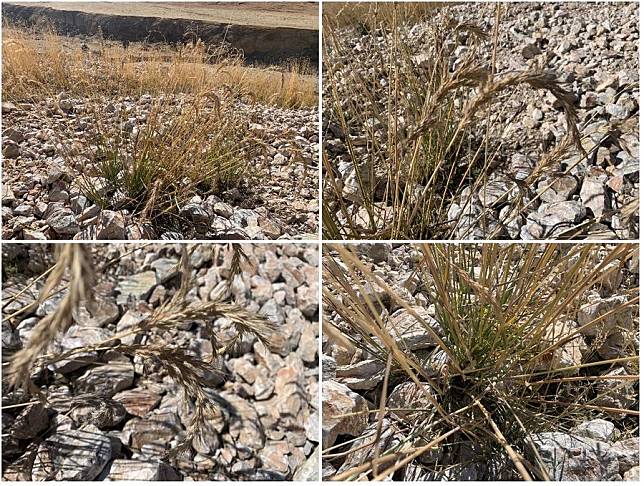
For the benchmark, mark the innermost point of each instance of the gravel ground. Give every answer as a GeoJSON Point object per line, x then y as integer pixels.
{"type": "Point", "coordinates": [594, 51]}
{"type": "Point", "coordinates": [108, 415]}
{"type": "Point", "coordinates": [41, 198]}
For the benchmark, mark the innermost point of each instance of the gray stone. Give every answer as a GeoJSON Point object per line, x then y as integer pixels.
{"type": "Point", "coordinates": [598, 307]}
{"type": "Point", "coordinates": [496, 191]}
{"type": "Point", "coordinates": [557, 217]}
{"type": "Point", "coordinates": [557, 189]}
{"type": "Point", "coordinates": [364, 447]}
{"type": "Point", "coordinates": [165, 268]}
{"type": "Point", "coordinates": [107, 379]}
{"type": "Point", "coordinates": [409, 396]}
{"type": "Point", "coordinates": [110, 226]}
{"type": "Point", "coordinates": [598, 429]}
{"type": "Point", "coordinates": [341, 412]}
{"type": "Point", "coordinates": [130, 320]}
{"type": "Point", "coordinates": [136, 287]}
{"type": "Point", "coordinates": [328, 367]}
{"type": "Point", "coordinates": [10, 338]}
{"type": "Point", "coordinates": [593, 194]}
{"type": "Point", "coordinates": [627, 452]}
{"type": "Point", "coordinates": [63, 221]}
{"type": "Point", "coordinates": [24, 210]}
{"type": "Point", "coordinates": [617, 110]}
{"type": "Point", "coordinates": [72, 455]}
{"type": "Point", "coordinates": [130, 470]}
{"type": "Point", "coordinates": [78, 337]}
{"type": "Point", "coordinates": [571, 458]}
{"type": "Point", "coordinates": [309, 471]}
{"type": "Point", "coordinates": [30, 422]}
{"type": "Point", "coordinates": [633, 474]}
{"type": "Point", "coordinates": [615, 393]}
{"type": "Point", "coordinates": [307, 299]}
{"type": "Point", "coordinates": [521, 166]}
{"type": "Point", "coordinates": [223, 209]}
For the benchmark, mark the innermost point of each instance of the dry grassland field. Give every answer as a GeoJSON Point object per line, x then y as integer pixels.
{"type": "Point", "coordinates": [160, 362]}
{"type": "Point", "coordinates": [268, 14]}
{"type": "Point", "coordinates": [481, 120]}
{"type": "Point", "coordinates": [138, 127]}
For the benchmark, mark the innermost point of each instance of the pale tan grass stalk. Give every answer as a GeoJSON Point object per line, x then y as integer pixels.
{"type": "Point", "coordinates": [75, 260]}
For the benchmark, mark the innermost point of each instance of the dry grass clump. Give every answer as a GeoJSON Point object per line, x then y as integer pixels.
{"type": "Point", "coordinates": [73, 275]}
{"type": "Point", "coordinates": [153, 168]}
{"type": "Point", "coordinates": [424, 128]}
{"type": "Point", "coordinates": [507, 361]}
{"type": "Point", "coordinates": [42, 64]}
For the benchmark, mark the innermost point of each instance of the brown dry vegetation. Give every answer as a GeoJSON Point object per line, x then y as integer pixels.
{"type": "Point", "coordinates": [44, 64]}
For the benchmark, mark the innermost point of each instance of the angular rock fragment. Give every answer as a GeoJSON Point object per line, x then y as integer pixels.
{"type": "Point", "coordinates": [72, 455]}
{"type": "Point", "coordinates": [129, 470]}
{"type": "Point", "coordinates": [343, 412]}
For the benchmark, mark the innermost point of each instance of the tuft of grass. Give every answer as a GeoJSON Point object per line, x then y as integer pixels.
{"type": "Point", "coordinates": [39, 64]}
{"type": "Point", "coordinates": [423, 129]}
{"type": "Point", "coordinates": [507, 362]}
{"type": "Point", "coordinates": [153, 168]}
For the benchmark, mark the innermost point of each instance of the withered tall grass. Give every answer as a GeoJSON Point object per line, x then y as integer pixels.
{"type": "Point", "coordinates": [200, 147]}
{"type": "Point", "coordinates": [185, 369]}
{"type": "Point", "coordinates": [503, 366]}
{"type": "Point", "coordinates": [421, 127]}
{"type": "Point", "coordinates": [42, 64]}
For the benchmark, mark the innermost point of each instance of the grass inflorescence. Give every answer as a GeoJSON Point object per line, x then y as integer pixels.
{"type": "Point", "coordinates": [422, 124]}
{"type": "Point", "coordinates": [73, 276]}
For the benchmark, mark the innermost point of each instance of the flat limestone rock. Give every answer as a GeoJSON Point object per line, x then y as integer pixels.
{"type": "Point", "coordinates": [129, 470]}
{"type": "Point", "coordinates": [364, 375]}
{"type": "Point", "coordinates": [107, 379]}
{"type": "Point", "coordinates": [136, 287]}
{"type": "Point", "coordinates": [337, 401]}
{"type": "Point", "coordinates": [72, 455]}
{"type": "Point", "coordinates": [138, 401]}
{"type": "Point", "coordinates": [404, 327]}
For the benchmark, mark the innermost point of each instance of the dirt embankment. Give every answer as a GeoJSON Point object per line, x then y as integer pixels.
{"type": "Point", "coordinates": [259, 44]}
